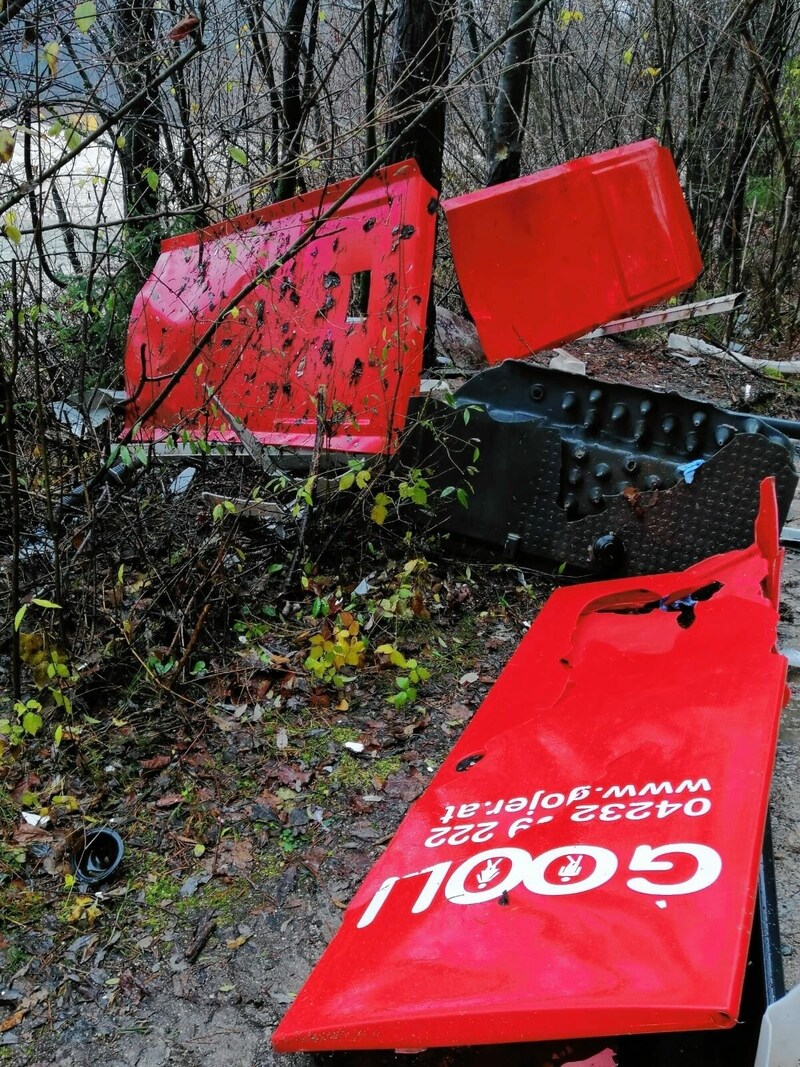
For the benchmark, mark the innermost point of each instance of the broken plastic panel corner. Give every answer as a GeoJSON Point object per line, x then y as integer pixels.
{"type": "Point", "coordinates": [585, 862]}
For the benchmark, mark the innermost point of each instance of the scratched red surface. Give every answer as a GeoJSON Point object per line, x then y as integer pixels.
{"type": "Point", "coordinates": [549, 256]}
{"type": "Point", "coordinates": [594, 871]}
{"type": "Point", "coordinates": [297, 331]}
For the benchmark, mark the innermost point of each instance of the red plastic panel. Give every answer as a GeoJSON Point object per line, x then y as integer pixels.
{"type": "Point", "coordinates": [585, 861]}
{"type": "Point", "coordinates": [347, 312]}
{"type": "Point", "coordinates": [545, 258]}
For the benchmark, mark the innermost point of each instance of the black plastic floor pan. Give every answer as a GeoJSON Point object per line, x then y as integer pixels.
{"type": "Point", "coordinates": [608, 478]}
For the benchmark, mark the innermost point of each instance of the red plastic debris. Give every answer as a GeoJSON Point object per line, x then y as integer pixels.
{"type": "Point", "coordinates": [585, 861]}
{"type": "Point", "coordinates": [548, 257]}
{"type": "Point", "coordinates": [347, 312]}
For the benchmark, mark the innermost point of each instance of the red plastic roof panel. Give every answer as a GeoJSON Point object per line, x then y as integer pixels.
{"type": "Point", "coordinates": [585, 861]}
{"type": "Point", "coordinates": [347, 312]}
{"type": "Point", "coordinates": [547, 257]}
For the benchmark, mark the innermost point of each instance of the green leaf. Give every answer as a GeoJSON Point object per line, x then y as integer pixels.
{"type": "Point", "coordinates": [237, 155]}
{"type": "Point", "coordinates": [7, 145]}
{"type": "Point", "coordinates": [85, 14]}
{"type": "Point", "coordinates": [32, 723]}
{"type": "Point", "coordinates": [46, 603]}
{"type": "Point", "coordinates": [59, 733]}
{"type": "Point", "coordinates": [627, 56]}
{"type": "Point", "coordinates": [51, 55]}
{"type": "Point", "coordinates": [20, 616]}
{"type": "Point", "coordinates": [151, 177]}
{"type": "Point", "coordinates": [347, 480]}
{"type": "Point", "coordinates": [11, 229]}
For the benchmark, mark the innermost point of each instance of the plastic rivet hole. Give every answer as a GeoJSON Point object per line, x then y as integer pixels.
{"type": "Point", "coordinates": [469, 761]}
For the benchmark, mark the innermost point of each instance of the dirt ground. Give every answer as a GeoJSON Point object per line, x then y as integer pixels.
{"type": "Point", "coordinates": [205, 980]}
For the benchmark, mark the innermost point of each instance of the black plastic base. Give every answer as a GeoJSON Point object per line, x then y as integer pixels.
{"type": "Point", "coordinates": [608, 478]}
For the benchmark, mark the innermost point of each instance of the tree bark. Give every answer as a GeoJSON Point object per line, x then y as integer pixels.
{"type": "Point", "coordinates": [508, 128]}
{"type": "Point", "coordinates": [420, 66]}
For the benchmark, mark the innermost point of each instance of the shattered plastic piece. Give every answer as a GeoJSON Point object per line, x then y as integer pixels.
{"type": "Point", "coordinates": [562, 360]}
{"type": "Point", "coordinates": [99, 404]}
{"type": "Point", "coordinates": [181, 482]}
{"type": "Point", "coordinates": [688, 470]}
{"type": "Point", "coordinates": [99, 856]}
{"type": "Point", "coordinates": [348, 311]}
{"type": "Point", "coordinates": [620, 761]}
{"type": "Point", "coordinates": [545, 258]}
{"type": "Point", "coordinates": [33, 819]}
{"type": "Point", "coordinates": [779, 1042]}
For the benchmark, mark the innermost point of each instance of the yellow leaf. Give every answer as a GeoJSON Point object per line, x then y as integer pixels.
{"type": "Point", "coordinates": [51, 55]}
{"type": "Point", "coordinates": [85, 14]}
{"type": "Point", "coordinates": [567, 17]}
{"type": "Point", "coordinates": [627, 56]}
{"type": "Point", "coordinates": [379, 513]}
{"type": "Point", "coordinates": [651, 72]}
{"type": "Point", "coordinates": [10, 228]}
{"type": "Point", "coordinates": [7, 145]}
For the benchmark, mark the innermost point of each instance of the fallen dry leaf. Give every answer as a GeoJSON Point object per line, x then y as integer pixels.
{"type": "Point", "coordinates": [290, 775]}
{"type": "Point", "coordinates": [25, 834]}
{"type": "Point", "coordinates": [233, 857]}
{"type": "Point", "coordinates": [404, 786]}
{"type": "Point", "coordinates": [157, 763]}
{"type": "Point", "coordinates": [181, 30]}
{"type": "Point", "coordinates": [12, 1020]}
{"type": "Point", "coordinates": [169, 800]}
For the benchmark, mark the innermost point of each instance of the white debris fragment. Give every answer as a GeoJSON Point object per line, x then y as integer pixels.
{"type": "Point", "coordinates": [36, 820]}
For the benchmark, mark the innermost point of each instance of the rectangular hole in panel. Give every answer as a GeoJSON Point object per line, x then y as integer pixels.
{"type": "Point", "coordinates": [359, 295]}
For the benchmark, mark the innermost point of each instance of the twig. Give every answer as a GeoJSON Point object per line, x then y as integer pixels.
{"type": "Point", "coordinates": [178, 668]}
{"type": "Point", "coordinates": [313, 470]}
{"type": "Point", "coordinates": [206, 925]}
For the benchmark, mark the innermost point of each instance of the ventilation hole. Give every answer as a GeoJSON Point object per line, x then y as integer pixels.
{"type": "Point", "coordinates": [469, 761]}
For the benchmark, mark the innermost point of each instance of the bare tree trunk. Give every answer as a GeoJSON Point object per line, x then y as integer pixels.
{"type": "Point", "coordinates": [292, 97]}
{"type": "Point", "coordinates": [508, 127]}
{"type": "Point", "coordinates": [420, 66]}
{"type": "Point", "coordinates": [140, 156]}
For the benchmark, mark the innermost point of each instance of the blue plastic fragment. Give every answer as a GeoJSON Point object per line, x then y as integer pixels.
{"type": "Point", "coordinates": [688, 470]}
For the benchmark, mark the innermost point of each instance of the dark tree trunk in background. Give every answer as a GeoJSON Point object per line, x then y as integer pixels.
{"type": "Point", "coordinates": [140, 155]}
{"type": "Point", "coordinates": [292, 35]}
{"type": "Point", "coordinates": [420, 66]}
{"type": "Point", "coordinates": [508, 124]}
